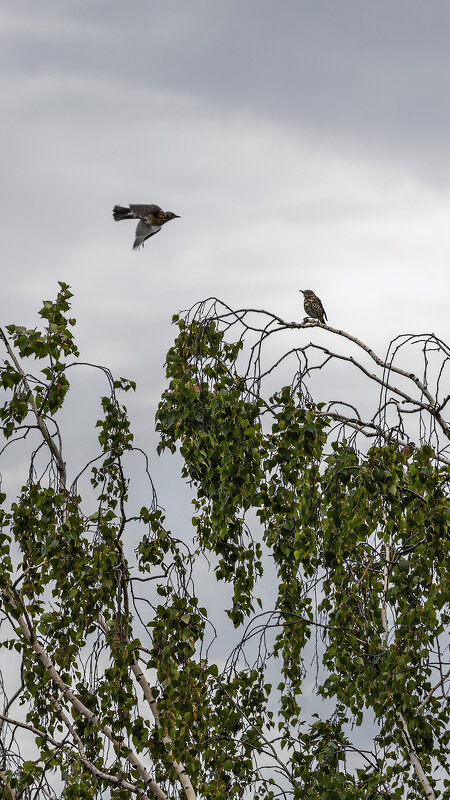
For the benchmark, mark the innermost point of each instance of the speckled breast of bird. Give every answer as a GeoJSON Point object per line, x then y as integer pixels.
{"type": "Point", "coordinates": [158, 218]}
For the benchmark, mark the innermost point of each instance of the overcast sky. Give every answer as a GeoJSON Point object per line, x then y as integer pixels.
{"type": "Point", "coordinates": [304, 144]}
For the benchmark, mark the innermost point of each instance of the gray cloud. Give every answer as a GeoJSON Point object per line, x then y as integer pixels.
{"type": "Point", "coordinates": [372, 74]}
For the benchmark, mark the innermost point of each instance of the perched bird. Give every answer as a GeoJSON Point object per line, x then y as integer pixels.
{"type": "Point", "coordinates": [408, 450]}
{"type": "Point", "coordinates": [313, 305]}
{"type": "Point", "coordinates": [151, 219]}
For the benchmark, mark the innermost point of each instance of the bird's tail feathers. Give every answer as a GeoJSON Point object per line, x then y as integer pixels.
{"type": "Point", "coordinates": [119, 212]}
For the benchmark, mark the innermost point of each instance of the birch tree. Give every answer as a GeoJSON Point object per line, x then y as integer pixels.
{"type": "Point", "coordinates": [312, 513]}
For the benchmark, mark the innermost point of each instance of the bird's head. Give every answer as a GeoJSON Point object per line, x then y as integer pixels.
{"type": "Point", "coordinates": [171, 215]}
{"type": "Point", "coordinates": [307, 293]}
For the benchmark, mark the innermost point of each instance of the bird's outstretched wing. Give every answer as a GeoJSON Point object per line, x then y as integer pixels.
{"type": "Point", "coordinates": [144, 231]}
{"type": "Point", "coordinates": [144, 211]}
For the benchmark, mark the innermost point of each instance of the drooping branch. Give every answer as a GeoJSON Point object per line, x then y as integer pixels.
{"type": "Point", "coordinates": [55, 450]}
{"type": "Point", "coordinates": [148, 694]}
{"type": "Point", "coordinates": [68, 750]}
{"type": "Point", "coordinates": [430, 694]}
{"type": "Point", "coordinates": [183, 777]}
{"type": "Point", "coordinates": [67, 692]}
{"type": "Point", "coordinates": [403, 726]}
{"type": "Point", "coordinates": [414, 758]}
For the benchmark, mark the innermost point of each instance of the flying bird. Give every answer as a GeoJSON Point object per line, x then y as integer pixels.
{"type": "Point", "coordinates": [313, 306]}
{"type": "Point", "coordinates": [151, 219]}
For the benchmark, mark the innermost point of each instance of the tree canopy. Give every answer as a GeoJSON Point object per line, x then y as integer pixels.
{"type": "Point", "coordinates": [326, 530]}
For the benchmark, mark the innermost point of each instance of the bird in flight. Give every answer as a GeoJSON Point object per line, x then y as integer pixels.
{"type": "Point", "coordinates": [313, 306]}
{"type": "Point", "coordinates": [151, 219]}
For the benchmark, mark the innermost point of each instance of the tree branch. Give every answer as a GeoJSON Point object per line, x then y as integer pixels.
{"type": "Point", "coordinates": [148, 694]}
{"type": "Point", "coordinates": [67, 692]}
{"type": "Point", "coordinates": [432, 691]}
{"type": "Point", "coordinates": [55, 451]}
{"type": "Point", "coordinates": [403, 727]}
{"type": "Point", "coordinates": [114, 780]}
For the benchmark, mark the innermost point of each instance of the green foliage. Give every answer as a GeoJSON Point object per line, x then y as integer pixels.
{"type": "Point", "coordinates": [370, 530]}
{"type": "Point", "coordinates": [120, 670]}
{"type": "Point", "coordinates": [204, 408]}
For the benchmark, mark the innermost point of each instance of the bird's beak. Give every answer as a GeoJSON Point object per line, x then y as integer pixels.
{"type": "Point", "coordinates": [176, 216]}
